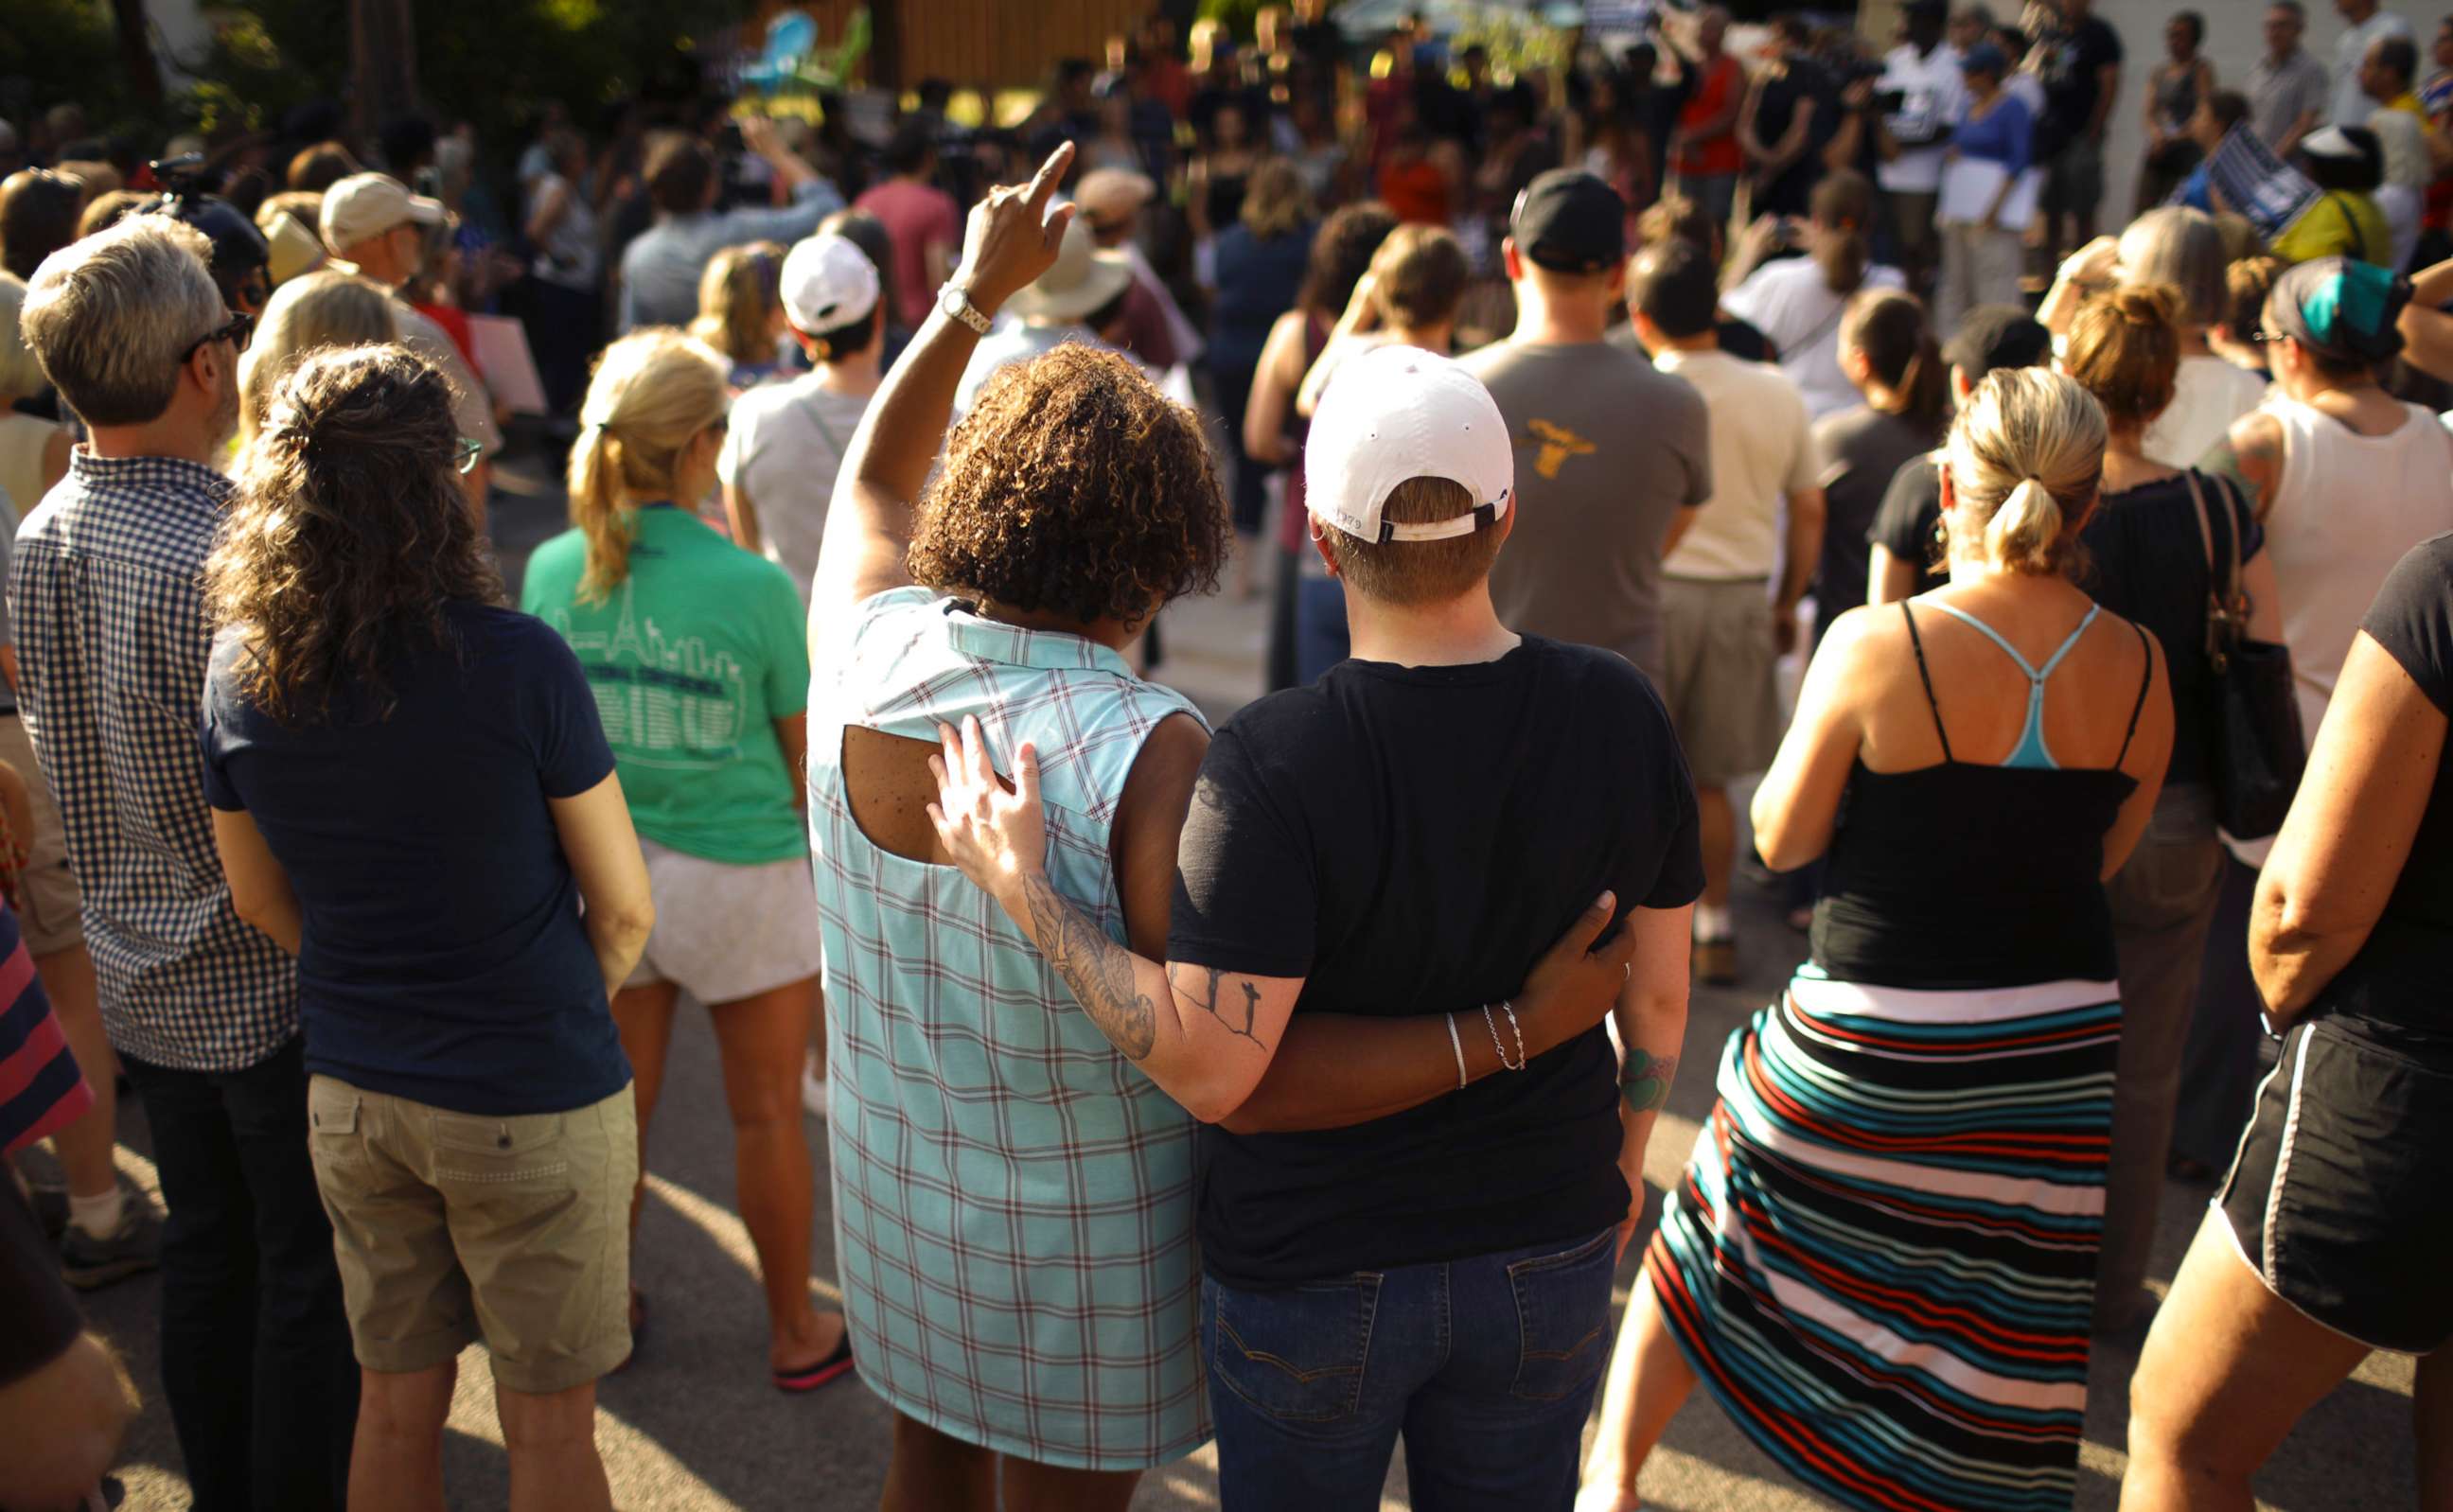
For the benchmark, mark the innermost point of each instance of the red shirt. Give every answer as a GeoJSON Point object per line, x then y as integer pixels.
{"type": "Point", "coordinates": [917, 217]}
{"type": "Point", "coordinates": [1718, 153]}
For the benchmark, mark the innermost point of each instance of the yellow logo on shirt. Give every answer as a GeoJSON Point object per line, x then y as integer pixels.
{"type": "Point", "coordinates": [1558, 445]}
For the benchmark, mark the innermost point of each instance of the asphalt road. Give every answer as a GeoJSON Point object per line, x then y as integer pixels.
{"type": "Point", "coordinates": [694, 1425]}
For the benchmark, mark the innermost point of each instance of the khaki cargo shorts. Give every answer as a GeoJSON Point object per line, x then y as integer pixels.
{"type": "Point", "coordinates": [47, 901]}
{"type": "Point", "coordinates": [452, 1227]}
{"type": "Point", "coordinates": [1718, 667]}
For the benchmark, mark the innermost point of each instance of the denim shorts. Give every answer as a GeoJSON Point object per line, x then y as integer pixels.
{"type": "Point", "coordinates": [2339, 1199]}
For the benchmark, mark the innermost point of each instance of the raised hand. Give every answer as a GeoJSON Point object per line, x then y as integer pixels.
{"type": "Point", "coordinates": [997, 835]}
{"type": "Point", "coordinates": [1012, 238]}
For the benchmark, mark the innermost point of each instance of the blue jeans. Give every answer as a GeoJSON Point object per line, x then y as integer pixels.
{"type": "Point", "coordinates": [256, 1363]}
{"type": "Point", "coordinates": [1486, 1365]}
{"type": "Point", "coordinates": [1321, 639]}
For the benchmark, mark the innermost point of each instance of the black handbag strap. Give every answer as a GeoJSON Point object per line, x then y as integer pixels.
{"type": "Point", "coordinates": [2224, 623]}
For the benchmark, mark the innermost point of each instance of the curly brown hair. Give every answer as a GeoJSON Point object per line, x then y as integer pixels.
{"type": "Point", "coordinates": [347, 535]}
{"type": "Point", "coordinates": [1073, 486]}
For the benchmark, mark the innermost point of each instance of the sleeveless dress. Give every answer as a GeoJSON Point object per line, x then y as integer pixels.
{"type": "Point", "coordinates": [1013, 1200]}
{"type": "Point", "coordinates": [1882, 1257]}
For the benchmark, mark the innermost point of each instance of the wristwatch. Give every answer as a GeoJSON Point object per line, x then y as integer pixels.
{"type": "Point", "coordinates": [956, 301]}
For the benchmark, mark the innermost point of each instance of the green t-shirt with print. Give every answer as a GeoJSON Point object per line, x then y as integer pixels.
{"type": "Point", "coordinates": [692, 658]}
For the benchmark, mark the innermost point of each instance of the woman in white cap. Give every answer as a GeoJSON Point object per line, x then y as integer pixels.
{"type": "Point", "coordinates": [787, 440]}
{"type": "Point", "coordinates": [696, 650]}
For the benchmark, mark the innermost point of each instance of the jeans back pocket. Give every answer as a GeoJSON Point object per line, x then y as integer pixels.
{"type": "Point", "coordinates": [1564, 1315]}
{"type": "Point", "coordinates": [1297, 1355]}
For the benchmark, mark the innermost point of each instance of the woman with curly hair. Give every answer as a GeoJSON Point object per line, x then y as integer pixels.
{"type": "Point", "coordinates": [1013, 1200]}
{"type": "Point", "coordinates": [412, 794]}
{"type": "Point", "coordinates": [694, 646]}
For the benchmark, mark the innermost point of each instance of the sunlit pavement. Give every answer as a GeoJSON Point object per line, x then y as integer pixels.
{"type": "Point", "coordinates": [694, 1425]}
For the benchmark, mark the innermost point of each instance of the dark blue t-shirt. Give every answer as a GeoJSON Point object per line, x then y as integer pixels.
{"type": "Point", "coordinates": [442, 958]}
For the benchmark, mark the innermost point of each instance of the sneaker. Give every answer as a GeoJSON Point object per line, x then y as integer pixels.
{"type": "Point", "coordinates": [813, 1090]}
{"type": "Point", "coordinates": [1716, 961]}
{"type": "Point", "coordinates": [87, 1263]}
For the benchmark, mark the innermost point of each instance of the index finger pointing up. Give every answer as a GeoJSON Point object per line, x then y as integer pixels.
{"type": "Point", "coordinates": [1043, 184]}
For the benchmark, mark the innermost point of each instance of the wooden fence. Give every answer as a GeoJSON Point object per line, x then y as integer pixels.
{"type": "Point", "coordinates": [1005, 44]}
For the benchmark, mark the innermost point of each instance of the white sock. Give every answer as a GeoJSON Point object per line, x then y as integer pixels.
{"type": "Point", "coordinates": [98, 1216]}
{"type": "Point", "coordinates": [1711, 922]}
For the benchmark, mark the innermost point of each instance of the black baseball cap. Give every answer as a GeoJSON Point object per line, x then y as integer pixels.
{"type": "Point", "coordinates": [1570, 222]}
{"type": "Point", "coordinates": [1993, 336]}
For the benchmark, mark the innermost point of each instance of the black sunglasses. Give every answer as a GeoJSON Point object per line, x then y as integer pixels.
{"type": "Point", "coordinates": [236, 332]}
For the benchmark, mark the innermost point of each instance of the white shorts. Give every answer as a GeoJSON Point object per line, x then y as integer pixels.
{"type": "Point", "coordinates": [726, 931]}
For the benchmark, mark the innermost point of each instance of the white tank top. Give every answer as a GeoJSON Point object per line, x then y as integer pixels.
{"type": "Point", "coordinates": [2348, 508]}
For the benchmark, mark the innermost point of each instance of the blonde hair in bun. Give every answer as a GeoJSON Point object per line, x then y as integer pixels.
{"type": "Point", "coordinates": [2027, 460]}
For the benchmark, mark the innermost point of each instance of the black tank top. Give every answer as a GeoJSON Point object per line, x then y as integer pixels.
{"type": "Point", "coordinates": [1959, 875]}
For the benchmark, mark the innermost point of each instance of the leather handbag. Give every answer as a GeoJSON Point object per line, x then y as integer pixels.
{"type": "Point", "coordinates": [2259, 747]}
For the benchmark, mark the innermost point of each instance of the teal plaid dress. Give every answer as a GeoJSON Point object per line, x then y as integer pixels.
{"type": "Point", "coordinates": [1013, 1200]}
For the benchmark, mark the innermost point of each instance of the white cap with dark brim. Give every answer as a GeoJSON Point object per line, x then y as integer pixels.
{"type": "Point", "coordinates": [1397, 413]}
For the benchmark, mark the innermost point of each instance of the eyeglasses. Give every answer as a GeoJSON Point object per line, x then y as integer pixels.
{"type": "Point", "coordinates": [465, 455]}
{"type": "Point", "coordinates": [236, 332]}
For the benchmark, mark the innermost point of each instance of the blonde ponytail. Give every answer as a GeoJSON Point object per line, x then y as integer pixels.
{"type": "Point", "coordinates": [652, 393]}
{"type": "Point", "coordinates": [2023, 533]}
{"type": "Point", "coordinates": [2027, 462]}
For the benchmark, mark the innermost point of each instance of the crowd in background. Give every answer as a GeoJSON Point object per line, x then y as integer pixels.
{"type": "Point", "coordinates": [1707, 407]}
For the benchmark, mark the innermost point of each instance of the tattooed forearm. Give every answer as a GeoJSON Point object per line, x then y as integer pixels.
{"type": "Point", "coordinates": [1099, 970]}
{"type": "Point", "coordinates": [1198, 986]}
{"type": "Point", "coordinates": [1643, 1080]}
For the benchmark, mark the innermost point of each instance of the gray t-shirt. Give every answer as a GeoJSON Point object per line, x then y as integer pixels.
{"type": "Point", "coordinates": [1863, 448]}
{"type": "Point", "coordinates": [1608, 450]}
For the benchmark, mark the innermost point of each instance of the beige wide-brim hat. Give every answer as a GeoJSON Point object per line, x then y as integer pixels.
{"type": "Point", "coordinates": [1083, 279]}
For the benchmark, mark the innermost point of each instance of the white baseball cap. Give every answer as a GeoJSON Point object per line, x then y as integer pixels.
{"type": "Point", "coordinates": [367, 205]}
{"type": "Point", "coordinates": [1400, 412]}
{"type": "Point", "coordinates": [828, 281]}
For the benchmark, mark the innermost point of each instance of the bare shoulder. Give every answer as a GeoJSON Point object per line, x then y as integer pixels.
{"type": "Point", "coordinates": [1163, 773]}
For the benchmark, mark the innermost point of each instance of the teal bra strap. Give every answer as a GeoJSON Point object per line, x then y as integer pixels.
{"type": "Point", "coordinates": [2030, 750]}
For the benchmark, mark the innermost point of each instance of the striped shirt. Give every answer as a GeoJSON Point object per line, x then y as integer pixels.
{"type": "Point", "coordinates": [112, 647]}
{"type": "Point", "coordinates": [41, 1089]}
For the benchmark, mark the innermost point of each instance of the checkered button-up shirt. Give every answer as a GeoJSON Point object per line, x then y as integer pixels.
{"type": "Point", "coordinates": [112, 647]}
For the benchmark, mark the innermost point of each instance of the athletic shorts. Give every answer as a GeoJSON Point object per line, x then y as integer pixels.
{"type": "Point", "coordinates": [452, 1227]}
{"type": "Point", "coordinates": [725, 931]}
{"type": "Point", "coordinates": [2341, 1197]}
{"type": "Point", "coordinates": [47, 900]}
{"type": "Point", "coordinates": [1718, 662]}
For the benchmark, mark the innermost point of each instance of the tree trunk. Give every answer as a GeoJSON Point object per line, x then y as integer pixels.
{"type": "Point", "coordinates": [137, 51]}
{"type": "Point", "coordinates": [382, 64]}
{"type": "Point", "coordinates": [885, 67]}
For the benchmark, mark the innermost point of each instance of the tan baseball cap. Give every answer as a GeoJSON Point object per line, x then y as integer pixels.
{"type": "Point", "coordinates": [367, 205]}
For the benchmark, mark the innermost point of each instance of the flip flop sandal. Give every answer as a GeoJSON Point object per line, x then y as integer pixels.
{"type": "Point", "coordinates": [810, 1376]}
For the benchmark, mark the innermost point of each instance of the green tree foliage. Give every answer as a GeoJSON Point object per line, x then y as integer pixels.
{"type": "Point", "coordinates": [494, 62]}
{"type": "Point", "coordinates": [55, 50]}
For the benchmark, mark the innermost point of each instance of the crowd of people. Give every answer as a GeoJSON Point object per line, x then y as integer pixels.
{"type": "Point", "coordinates": [1263, 1082]}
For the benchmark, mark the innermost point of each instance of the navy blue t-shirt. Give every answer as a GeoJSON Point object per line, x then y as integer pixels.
{"type": "Point", "coordinates": [443, 958]}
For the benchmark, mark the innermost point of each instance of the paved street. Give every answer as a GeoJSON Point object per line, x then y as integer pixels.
{"type": "Point", "coordinates": [694, 1423]}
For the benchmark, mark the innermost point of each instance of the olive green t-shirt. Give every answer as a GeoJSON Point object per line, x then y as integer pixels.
{"type": "Point", "coordinates": [693, 659]}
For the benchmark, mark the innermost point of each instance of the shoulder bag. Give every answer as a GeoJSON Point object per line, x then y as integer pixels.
{"type": "Point", "coordinates": [2260, 748]}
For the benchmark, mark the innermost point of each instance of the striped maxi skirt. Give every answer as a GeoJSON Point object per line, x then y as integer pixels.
{"type": "Point", "coordinates": [1882, 1257]}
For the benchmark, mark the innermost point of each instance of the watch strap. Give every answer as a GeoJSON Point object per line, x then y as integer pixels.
{"type": "Point", "coordinates": [956, 301]}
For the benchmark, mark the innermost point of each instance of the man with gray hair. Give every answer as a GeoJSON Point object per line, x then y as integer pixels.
{"type": "Point", "coordinates": [112, 643]}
